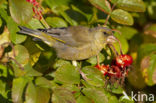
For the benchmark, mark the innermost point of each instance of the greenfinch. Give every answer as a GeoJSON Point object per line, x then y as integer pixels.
{"type": "Point", "coordinates": [74, 42]}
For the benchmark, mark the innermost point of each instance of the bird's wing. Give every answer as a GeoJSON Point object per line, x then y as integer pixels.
{"type": "Point", "coordinates": [72, 36]}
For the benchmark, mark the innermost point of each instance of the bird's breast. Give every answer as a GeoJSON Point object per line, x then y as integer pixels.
{"type": "Point", "coordinates": [78, 53]}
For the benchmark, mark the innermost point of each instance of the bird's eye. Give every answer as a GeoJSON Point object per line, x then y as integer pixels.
{"type": "Point", "coordinates": [104, 33]}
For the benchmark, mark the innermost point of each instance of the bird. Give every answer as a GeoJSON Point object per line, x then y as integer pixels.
{"type": "Point", "coordinates": [73, 42]}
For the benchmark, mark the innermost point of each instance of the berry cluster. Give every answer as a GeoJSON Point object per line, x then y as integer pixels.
{"type": "Point", "coordinates": [36, 9]}
{"type": "Point", "coordinates": [34, 2]}
{"type": "Point", "coordinates": [118, 68]}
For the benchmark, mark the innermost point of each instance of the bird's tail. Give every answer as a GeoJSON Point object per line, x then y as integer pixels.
{"type": "Point", "coordinates": [38, 34]}
{"type": "Point", "coordinates": [34, 33]}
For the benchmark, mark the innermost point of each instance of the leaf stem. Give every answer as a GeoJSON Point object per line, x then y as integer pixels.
{"type": "Point", "coordinates": [43, 21]}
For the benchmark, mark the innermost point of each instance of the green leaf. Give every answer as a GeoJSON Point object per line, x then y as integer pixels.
{"type": "Point", "coordinates": [151, 10]}
{"type": "Point", "coordinates": [93, 60]}
{"type": "Point", "coordinates": [125, 100]}
{"type": "Point", "coordinates": [43, 82]}
{"type": "Point", "coordinates": [30, 72]}
{"type": "Point", "coordinates": [4, 14]}
{"type": "Point", "coordinates": [55, 3]}
{"type": "Point", "coordinates": [124, 43]}
{"type": "Point", "coordinates": [35, 94]}
{"type": "Point", "coordinates": [60, 62]}
{"type": "Point", "coordinates": [59, 7]}
{"type": "Point", "coordinates": [3, 90]}
{"type": "Point", "coordinates": [135, 77]}
{"type": "Point", "coordinates": [67, 74]}
{"type": "Point", "coordinates": [22, 55]}
{"type": "Point", "coordinates": [128, 32]}
{"type": "Point", "coordinates": [87, 16]}
{"type": "Point", "coordinates": [56, 22]}
{"type": "Point", "coordinates": [103, 5]}
{"type": "Point", "coordinates": [148, 66]}
{"type": "Point", "coordinates": [116, 88]}
{"type": "Point", "coordinates": [94, 76]}
{"type": "Point", "coordinates": [34, 51]}
{"type": "Point", "coordinates": [83, 99]}
{"type": "Point", "coordinates": [151, 30]}
{"type": "Point", "coordinates": [13, 29]}
{"type": "Point", "coordinates": [76, 91]}
{"type": "Point", "coordinates": [144, 50]}
{"type": "Point", "coordinates": [71, 21]}
{"type": "Point", "coordinates": [4, 72]}
{"type": "Point", "coordinates": [20, 10]}
{"type": "Point", "coordinates": [122, 17]}
{"type": "Point", "coordinates": [4, 37]}
{"type": "Point", "coordinates": [61, 95]}
{"type": "Point", "coordinates": [113, 99]}
{"type": "Point", "coordinates": [131, 5]}
{"type": "Point", "coordinates": [35, 24]}
{"type": "Point", "coordinates": [18, 89]}
{"type": "Point", "coordinates": [97, 96]}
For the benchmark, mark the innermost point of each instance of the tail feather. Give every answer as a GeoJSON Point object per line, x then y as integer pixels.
{"type": "Point", "coordinates": [38, 34]}
{"type": "Point", "coordinates": [25, 30]}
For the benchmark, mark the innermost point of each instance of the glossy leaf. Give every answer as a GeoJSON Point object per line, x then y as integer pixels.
{"type": "Point", "coordinates": [125, 100]}
{"type": "Point", "coordinates": [21, 11]}
{"type": "Point", "coordinates": [4, 72]}
{"type": "Point", "coordinates": [148, 66]}
{"type": "Point", "coordinates": [33, 50]}
{"type": "Point", "coordinates": [3, 87]}
{"type": "Point", "coordinates": [22, 55]}
{"type": "Point", "coordinates": [13, 29]}
{"type": "Point", "coordinates": [96, 79]}
{"type": "Point", "coordinates": [59, 7]}
{"type": "Point", "coordinates": [124, 43]}
{"type": "Point", "coordinates": [151, 30]}
{"type": "Point", "coordinates": [68, 74]}
{"type": "Point", "coordinates": [151, 10]}
{"type": "Point", "coordinates": [61, 95]}
{"type": "Point", "coordinates": [4, 37]}
{"type": "Point", "coordinates": [122, 17]}
{"type": "Point", "coordinates": [60, 62]}
{"type": "Point", "coordinates": [43, 82]}
{"type": "Point", "coordinates": [97, 96]}
{"type": "Point", "coordinates": [35, 24]}
{"type": "Point", "coordinates": [37, 94]}
{"type": "Point", "coordinates": [68, 18]}
{"type": "Point", "coordinates": [113, 99]}
{"type": "Point", "coordinates": [116, 88]}
{"type": "Point", "coordinates": [135, 77]}
{"type": "Point", "coordinates": [128, 32]}
{"type": "Point", "coordinates": [93, 60]}
{"type": "Point", "coordinates": [83, 99]}
{"type": "Point", "coordinates": [30, 72]}
{"type": "Point", "coordinates": [145, 50]}
{"type": "Point", "coordinates": [56, 22]}
{"type": "Point", "coordinates": [131, 5]}
{"type": "Point", "coordinates": [18, 89]}
{"type": "Point", "coordinates": [103, 5]}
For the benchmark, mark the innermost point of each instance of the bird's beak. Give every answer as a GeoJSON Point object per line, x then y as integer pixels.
{"type": "Point", "coordinates": [111, 39]}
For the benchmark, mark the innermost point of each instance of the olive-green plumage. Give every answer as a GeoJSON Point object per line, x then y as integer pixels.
{"type": "Point", "coordinates": [72, 43]}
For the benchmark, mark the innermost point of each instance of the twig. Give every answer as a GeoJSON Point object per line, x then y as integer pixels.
{"type": "Point", "coordinates": [111, 45]}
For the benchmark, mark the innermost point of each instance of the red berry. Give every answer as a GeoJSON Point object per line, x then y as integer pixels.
{"type": "Point", "coordinates": [103, 68]}
{"type": "Point", "coordinates": [123, 61]}
{"type": "Point", "coordinates": [117, 71]}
